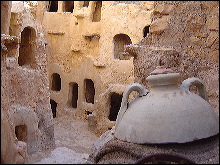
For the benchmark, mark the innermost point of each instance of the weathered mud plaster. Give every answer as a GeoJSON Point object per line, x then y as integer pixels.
{"type": "Point", "coordinates": [27, 116]}
{"type": "Point", "coordinates": [84, 46]}
{"type": "Point", "coordinates": [186, 42]}
{"type": "Point", "coordinates": [80, 42]}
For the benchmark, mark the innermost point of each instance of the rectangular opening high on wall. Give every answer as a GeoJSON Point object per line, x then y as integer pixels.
{"type": "Point", "coordinates": [86, 3]}
{"type": "Point", "coordinates": [52, 6]}
{"type": "Point", "coordinates": [97, 11]}
{"type": "Point", "coordinates": [68, 6]}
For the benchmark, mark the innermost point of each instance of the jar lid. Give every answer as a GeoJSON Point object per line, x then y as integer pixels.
{"type": "Point", "coordinates": [161, 70]}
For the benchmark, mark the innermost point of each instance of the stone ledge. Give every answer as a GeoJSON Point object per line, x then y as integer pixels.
{"type": "Point", "coordinates": [56, 32]}
{"type": "Point", "coordinates": [91, 36]}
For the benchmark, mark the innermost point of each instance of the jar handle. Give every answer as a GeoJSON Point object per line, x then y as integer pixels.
{"type": "Point", "coordinates": [124, 104]}
{"type": "Point", "coordinates": [198, 83]}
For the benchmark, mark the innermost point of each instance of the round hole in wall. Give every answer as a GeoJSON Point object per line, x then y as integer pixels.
{"type": "Point", "coordinates": [76, 23]}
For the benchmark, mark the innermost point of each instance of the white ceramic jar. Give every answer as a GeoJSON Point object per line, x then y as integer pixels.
{"type": "Point", "coordinates": [169, 113]}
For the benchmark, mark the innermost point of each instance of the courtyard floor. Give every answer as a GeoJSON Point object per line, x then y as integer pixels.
{"type": "Point", "coordinates": [73, 143]}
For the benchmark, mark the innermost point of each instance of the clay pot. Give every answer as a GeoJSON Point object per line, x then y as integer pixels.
{"type": "Point", "coordinates": [169, 113]}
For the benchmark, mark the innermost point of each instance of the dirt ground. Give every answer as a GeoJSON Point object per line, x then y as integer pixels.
{"type": "Point", "coordinates": [73, 143]}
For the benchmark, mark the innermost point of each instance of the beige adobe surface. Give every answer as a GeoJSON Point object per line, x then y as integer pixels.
{"type": "Point", "coordinates": [75, 56]}
{"type": "Point", "coordinates": [26, 119]}
{"type": "Point", "coordinates": [77, 48]}
{"type": "Point", "coordinates": [73, 143]}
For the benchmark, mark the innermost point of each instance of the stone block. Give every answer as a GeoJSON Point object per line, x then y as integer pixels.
{"type": "Point", "coordinates": [209, 4]}
{"type": "Point", "coordinates": [159, 25]}
{"type": "Point", "coordinates": [211, 38]}
{"type": "Point", "coordinates": [214, 56]}
{"type": "Point", "coordinates": [202, 35]}
{"type": "Point", "coordinates": [195, 22]}
{"type": "Point", "coordinates": [213, 23]}
{"type": "Point", "coordinates": [164, 9]}
{"type": "Point", "coordinates": [195, 40]}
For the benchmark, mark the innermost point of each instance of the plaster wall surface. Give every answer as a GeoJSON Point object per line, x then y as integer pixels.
{"type": "Point", "coordinates": [26, 97]}
{"type": "Point", "coordinates": [79, 48]}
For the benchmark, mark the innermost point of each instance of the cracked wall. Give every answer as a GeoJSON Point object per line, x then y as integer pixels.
{"type": "Point", "coordinates": [27, 116]}
{"type": "Point", "coordinates": [80, 46]}
{"type": "Point", "coordinates": [184, 36]}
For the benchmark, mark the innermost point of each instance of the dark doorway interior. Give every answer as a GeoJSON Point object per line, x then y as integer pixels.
{"type": "Point", "coordinates": [68, 6]}
{"type": "Point", "coordinates": [53, 6]}
{"type": "Point", "coordinates": [146, 31]}
{"type": "Point", "coordinates": [56, 82]}
{"type": "Point", "coordinates": [73, 94]}
{"type": "Point", "coordinates": [115, 106]}
{"type": "Point", "coordinates": [53, 107]}
{"type": "Point", "coordinates": [89, 91]}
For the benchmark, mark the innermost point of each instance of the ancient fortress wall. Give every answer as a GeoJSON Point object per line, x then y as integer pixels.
{"type": "Point", "coordinates": [28, 125]}
{"type": "Point", "coordinates": [85, 52]}
{"type": "Point", "coordinates": [67, 58]}
{"type": "Point", "coordinates": [184, 35]}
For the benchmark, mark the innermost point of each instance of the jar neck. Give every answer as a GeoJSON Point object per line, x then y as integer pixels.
{"type": "Point", "coordinates": [168, 81]}
{"type": "Point", "coordinates": [164, 88]}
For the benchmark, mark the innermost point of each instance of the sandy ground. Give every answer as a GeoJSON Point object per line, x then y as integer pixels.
{"type": "Point", "coordinates": [73, 144]}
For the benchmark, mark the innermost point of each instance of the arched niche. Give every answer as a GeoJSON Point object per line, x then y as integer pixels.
{"type": "Point", "coordinates": [119, 41]}
{"type": "Point", "coordinates": [27, 49]}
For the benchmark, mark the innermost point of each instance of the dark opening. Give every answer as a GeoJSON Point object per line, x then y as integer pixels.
{"type": "Point", "coordinates": [88, 112]}
{"type": "Point", "coordinates": [56, 82]}
{"type": "Point", "coordinates": [68, 6]}
{"type": "Point", "coordinates": [86, 3]}
{"type": "Point", "coordinates": [89, 91]}
{"type": "Point", "coordinates": [53, 107]}
{"type": "Point", "coordinates": [53, 6]}
{"type": "Point", "coordinates": [146, 31]}
{"type": "Point", "coordinates": [120, 40]}
{"type": "Point", "coordinates": [21, 132]}
{"type": "Point", "coordinates": [115, 106]}
{"type": "Point", "coordinates": [73, 94]}
{"type": "Point", "coordinates": [97, 12]}
{"type": "Point", "coordinates": [27, 48]}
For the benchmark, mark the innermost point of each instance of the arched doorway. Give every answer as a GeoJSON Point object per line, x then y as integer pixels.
{"type": "Point", "coordinates": [120, 40]}
{"type": "Point", "coordinates": [27, 48]}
